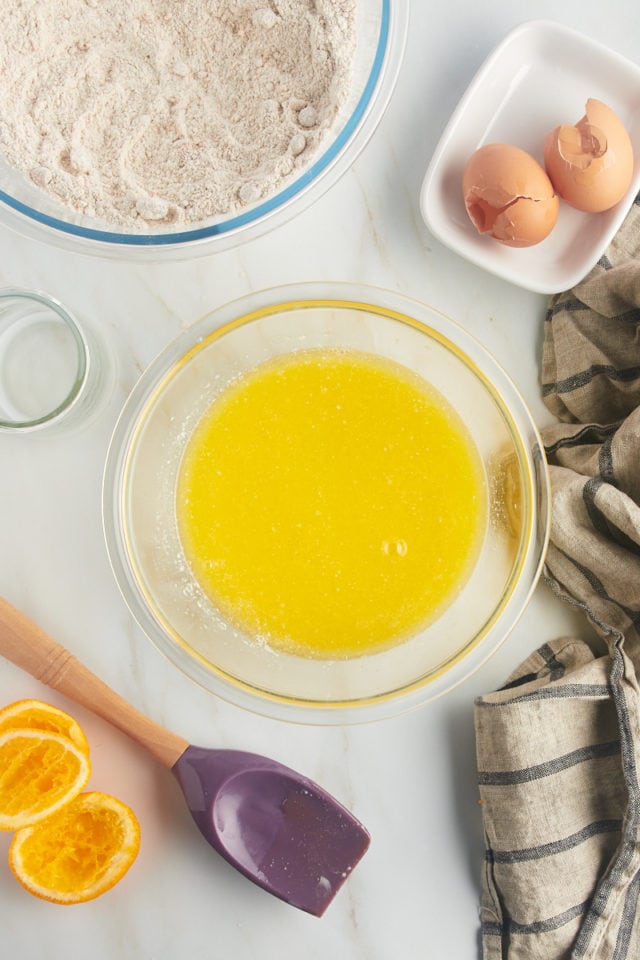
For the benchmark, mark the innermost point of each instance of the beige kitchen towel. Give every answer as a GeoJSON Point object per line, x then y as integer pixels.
{"type": "Point", "coordinates": [558, 747]}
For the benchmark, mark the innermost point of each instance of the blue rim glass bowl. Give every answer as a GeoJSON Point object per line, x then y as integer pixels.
{"type": "Point", "coordinates": [140, 491]}
{"type": "Point", "coordinates": [381, 30]}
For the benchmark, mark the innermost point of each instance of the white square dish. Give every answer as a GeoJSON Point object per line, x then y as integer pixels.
{"type": "Point", "coordinates": [539, 77]}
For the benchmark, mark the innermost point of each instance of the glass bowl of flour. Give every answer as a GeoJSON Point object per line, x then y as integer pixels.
{"type": "Point", "coordinates": [133, 130]}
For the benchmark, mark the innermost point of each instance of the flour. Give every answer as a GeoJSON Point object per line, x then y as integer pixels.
{"type": "Point", "coordinates": [144, 113]}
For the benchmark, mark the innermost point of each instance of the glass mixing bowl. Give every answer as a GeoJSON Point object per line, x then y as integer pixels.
{"type": "Point", "coordinates": [143, 539]}
{"type": "Point", "coordinates": [381, 29]}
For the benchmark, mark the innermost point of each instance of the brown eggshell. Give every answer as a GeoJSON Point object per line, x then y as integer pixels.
{"type": "Point", "coordinates": [591, 163]}
{"type": "Point", "coordinates": [508, 195]}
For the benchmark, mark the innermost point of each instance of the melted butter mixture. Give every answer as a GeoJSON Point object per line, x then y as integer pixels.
{"type": "Point", "coordinates": [331, 503]}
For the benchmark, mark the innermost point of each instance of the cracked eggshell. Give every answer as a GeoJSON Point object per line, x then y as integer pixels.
{"type": "Point", "coordinates": [508, 195]}
{"type": "Point", "coordinates": [590, 164]}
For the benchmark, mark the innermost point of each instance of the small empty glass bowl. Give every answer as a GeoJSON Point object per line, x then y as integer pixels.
{"type": "Point", "coordinates": [144, 541]}
{"type": "Point", "coordinates": [50, 367]}
{"type": "Point", "coordinates": [381, 29]}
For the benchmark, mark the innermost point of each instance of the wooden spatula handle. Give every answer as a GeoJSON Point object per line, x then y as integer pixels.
{"type": "Point", "coordinates": [34, 651]}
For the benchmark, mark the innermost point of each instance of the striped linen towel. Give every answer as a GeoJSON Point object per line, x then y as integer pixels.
{"type": "Point", "coordinates": [558, 747]}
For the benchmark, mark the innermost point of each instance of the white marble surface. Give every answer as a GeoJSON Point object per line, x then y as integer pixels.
{"type": "Point", "coordinates": [410, 780]}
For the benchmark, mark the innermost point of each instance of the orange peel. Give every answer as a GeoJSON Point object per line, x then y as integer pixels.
{"type": "Point", "coordinates": [40, 772]}
{"type": "Point", "coordinates": [78, 853]}
{"type": "Point", "coordinates": [37, 715]}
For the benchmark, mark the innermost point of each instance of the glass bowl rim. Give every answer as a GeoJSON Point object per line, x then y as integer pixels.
{"type": "Point", "coordinates": [392, 305]}
{"type": "Point", "coordinates": [52, 416]}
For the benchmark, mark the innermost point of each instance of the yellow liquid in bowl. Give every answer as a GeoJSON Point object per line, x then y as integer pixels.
{"type": "Point", "coordinates": [331, 503]}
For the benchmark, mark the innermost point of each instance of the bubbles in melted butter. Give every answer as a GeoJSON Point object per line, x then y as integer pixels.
{"type": "Point", "coordinates": [395, 548]}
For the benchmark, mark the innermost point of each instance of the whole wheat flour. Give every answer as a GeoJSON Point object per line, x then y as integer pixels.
{"type": "Point", "coordinates": [150, 112]}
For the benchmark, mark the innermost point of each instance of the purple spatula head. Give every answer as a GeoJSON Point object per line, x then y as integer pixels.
{"type": "Point", "coordinates": [278, 828]}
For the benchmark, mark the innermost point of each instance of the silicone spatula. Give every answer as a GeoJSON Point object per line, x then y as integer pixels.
{"type": "Point", "coordinates": [278, 828]}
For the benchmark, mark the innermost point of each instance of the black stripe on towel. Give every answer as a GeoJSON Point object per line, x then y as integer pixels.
{"type": "Point", "coordinates": [551, 923]}
{"type": "Point", "coordinates": [593, 433]}
{"type": "Point", "coordinates": [627, 920]}
{"type": "Point", "coordinates": [599, 588]}
{"type": "Point", "coordinates": [573, 305]}
{"type": "Point", "coordinates": [570, 305]}
{"type": "Point", "coordinates": [538, 926]}
{"type": "Point", "coordinates": [554, 669]}
{"type": "Point", "coordinates": [605, 461]}
{"type": "Point", "coordinates": [602, 523]}
{"type": "Point", "coordinates": [584, 377]}
{"type": "Point", "coordinates": [596, 691]}
{"type": "Point", "coordinates": [555, 846]}
{"type": "Point", "coordinates": [595, 751]}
